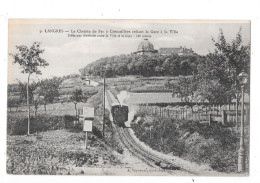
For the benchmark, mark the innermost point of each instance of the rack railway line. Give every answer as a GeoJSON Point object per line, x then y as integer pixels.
{"type": "Point", "coordinates": [148, 157]}
{"type": "Point", "coordinates": [133, 146]}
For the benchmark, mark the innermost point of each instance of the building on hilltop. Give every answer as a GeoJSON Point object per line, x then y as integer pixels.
{"type": "Point", "coordinates": [147, 48]}
{"type": "Point", "coordinates": [88, 82]}
{"type": "Point", "coordinates": [179, 51]}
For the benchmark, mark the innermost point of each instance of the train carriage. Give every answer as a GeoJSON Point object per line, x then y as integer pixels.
{"type": "Point", "coordinates": [119, 114]}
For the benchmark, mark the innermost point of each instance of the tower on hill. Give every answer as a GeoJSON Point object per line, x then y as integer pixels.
{"type": "Point", "coordinates": [145, 48]}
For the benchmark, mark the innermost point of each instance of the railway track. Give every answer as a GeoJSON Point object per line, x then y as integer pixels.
{"type": "Point", "coordinates": [152, 159]}
{"type": "Point", "coordinates": [145, 155]}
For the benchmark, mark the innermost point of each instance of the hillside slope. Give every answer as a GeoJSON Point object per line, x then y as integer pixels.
{"type": "Point", "coordinates": [144, 65]}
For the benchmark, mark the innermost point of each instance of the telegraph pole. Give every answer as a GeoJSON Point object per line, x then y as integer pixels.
{"type": "Point", "coordinates": [104, 100]}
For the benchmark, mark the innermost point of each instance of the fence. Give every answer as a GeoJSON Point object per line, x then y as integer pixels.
{"type": "Point", "coordinates": [219, 113]}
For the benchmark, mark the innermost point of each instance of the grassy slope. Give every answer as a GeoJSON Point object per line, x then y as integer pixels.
{"type": "Point", "coordinates": [56, 152]}
{"type": "Point", "coordinates": [139, 84]}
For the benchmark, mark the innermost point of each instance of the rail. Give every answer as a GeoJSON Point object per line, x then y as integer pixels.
{"type": "Point", "coordinates": [147, 156]}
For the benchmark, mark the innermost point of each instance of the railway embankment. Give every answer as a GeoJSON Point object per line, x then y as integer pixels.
{"type": "Point", "coordinates": [199, 146]}
{"type": "Point", "coordinates": [182, 164]}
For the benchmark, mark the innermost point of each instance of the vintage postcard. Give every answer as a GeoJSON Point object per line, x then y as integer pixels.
{"type": "Point", "coordinates": [128, 97]}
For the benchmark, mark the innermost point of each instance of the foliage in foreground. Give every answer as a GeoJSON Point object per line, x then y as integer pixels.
{"type": "Point", "coordinates": [215, 76]}
{"type": "Point", "coordinates": [213, 145]}
{"type": "Point", "coordinates": [17, 125]}
{"type": "Point", "coordinates": [55, 152]}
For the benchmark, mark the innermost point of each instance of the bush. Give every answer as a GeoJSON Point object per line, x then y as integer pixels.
{"type": "Point", "coordinates": [211, 151]}
{"type": "Point", "coordinates": [45, 161]}
{"type": "Point", "coordinates": [97, 132]}
{"type": "Point", "coordinates": [18, 125]}
{"type": "Point", "coordinates": [200, 149]}
{"type": "Point", "coordinates": [214, 145]}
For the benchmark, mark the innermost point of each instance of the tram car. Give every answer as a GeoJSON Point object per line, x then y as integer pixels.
{"type": "Point", "coordinates": [119, 114]}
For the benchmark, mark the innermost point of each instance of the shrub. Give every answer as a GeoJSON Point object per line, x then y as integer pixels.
{"type": "Point", "coordinates": [97, 132]}
{"type": "Point", "coordinates": [214, 145]}
{"type": "Point", "coordinates": [17, 125]}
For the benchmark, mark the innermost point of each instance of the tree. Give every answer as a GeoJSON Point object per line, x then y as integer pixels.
{"type": "Point", "coordinates": [30, 61]}
{"type": "Point", "coordinates": [11, 102]}
{"type": "Point", "coordinates": [145, 65]}
{"type": "Point", "coordinates": [78, 96]}
{"type": "Point", "coordinates": [213, 91]}
{"type": "Point", "coordinates": [23, 92]}
{"type": "Point", "coordinates": [171, 65]}
{"type": "Point", "coordinates": [37, 100]}
{"type": "Point", "coordinates": [149, 66]}
{"type": "Point", "coordinates": [34, 94]}
{"type": "Point", "coordinates": [49, 90]}
{"type": "Point", "coordinates": [210, 80]}
{"type": "Point", "coordinates": [185, 67]}
{"type": "Point", "coordinates": [138, 65]}
{"type": "Point", "coordinates": [185, 89]}
{"type": "Point", "coordinates": [219, 70]}
{"type": "Point", "coordinates": [159, 70]}
{"type": "Point", "coordinates": [235, 58]}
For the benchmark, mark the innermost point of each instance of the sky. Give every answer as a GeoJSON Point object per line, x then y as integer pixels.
{"type": "Point", "coordinates": [66, 55]}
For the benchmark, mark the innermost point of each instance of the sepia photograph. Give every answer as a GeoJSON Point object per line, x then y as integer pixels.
{"type": "Point", "coordinates": [128, 97]}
